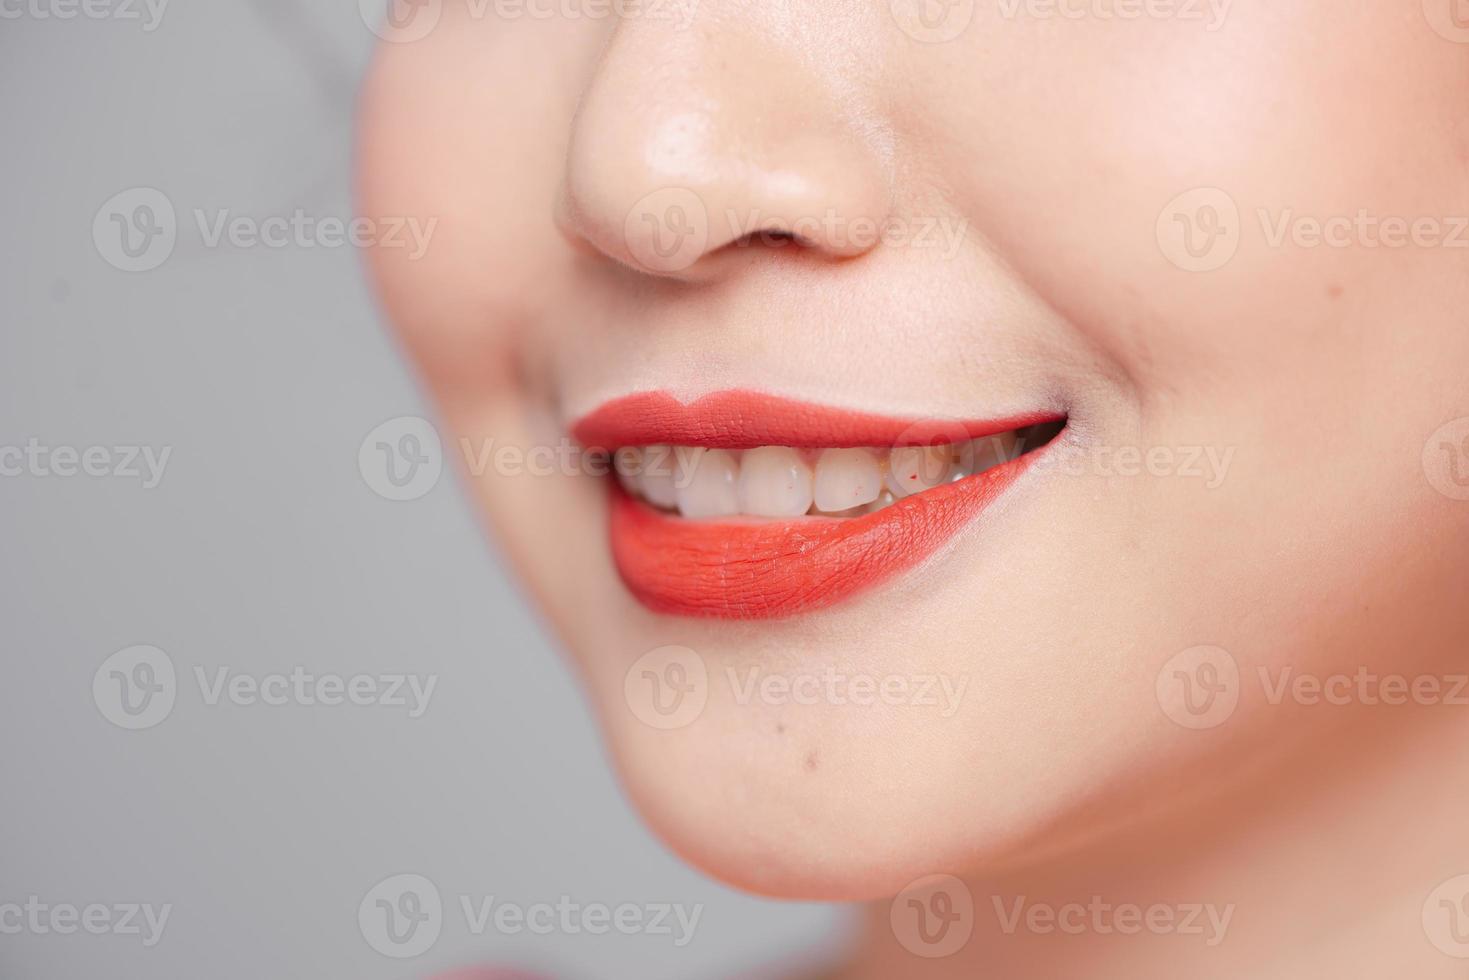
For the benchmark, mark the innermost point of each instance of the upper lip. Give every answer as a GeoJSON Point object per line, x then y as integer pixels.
{"type": "Point", "coordinates": [745, 419]}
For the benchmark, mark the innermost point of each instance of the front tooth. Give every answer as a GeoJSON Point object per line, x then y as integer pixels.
{"type": "Point", "coordinates": [656, 479]}
{"type": "Point", "coordinates": [884, 499]}
{"type": "Point", "coordinates": [846, 478]}
{"type": "Point", "coordinates": [992, 451]}
{"type": "Point", "coordinates": [627, 461]}
{"type": "Point", "coordinates": [912, 469]}
{"type": "Point", "coordinates": [774, 482]}
{"type": "Point", "coordinates": [711, 486]}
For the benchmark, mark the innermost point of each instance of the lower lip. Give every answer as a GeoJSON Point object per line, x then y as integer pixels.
{"type": "Point", "coordinates": [774, 569]}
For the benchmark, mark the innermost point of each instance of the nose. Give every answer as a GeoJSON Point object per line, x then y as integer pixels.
{"type": "Point", "coordinates": [693, 141]}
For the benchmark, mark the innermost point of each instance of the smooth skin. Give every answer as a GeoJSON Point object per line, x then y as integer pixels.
{"type": "Point", "coordinates": [1056, 146]}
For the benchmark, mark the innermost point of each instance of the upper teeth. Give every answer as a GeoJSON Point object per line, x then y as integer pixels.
{"type": "Point", "coordinates": [778, 481]}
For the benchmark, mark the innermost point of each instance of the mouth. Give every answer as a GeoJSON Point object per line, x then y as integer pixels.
{"type": "Point", "coordinates": [747, 506]}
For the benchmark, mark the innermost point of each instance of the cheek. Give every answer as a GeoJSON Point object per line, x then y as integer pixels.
{"type": "Point", "coordinates": [1077, 143]}
{"type": "Point", "coordinates": [467, 127]}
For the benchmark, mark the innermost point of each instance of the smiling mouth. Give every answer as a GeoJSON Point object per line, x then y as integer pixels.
{"type": "Point", "coordinates": [745, 506]}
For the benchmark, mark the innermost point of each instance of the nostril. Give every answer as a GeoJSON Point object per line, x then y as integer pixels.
{"type": "Point", "coordinates": [771, 238]}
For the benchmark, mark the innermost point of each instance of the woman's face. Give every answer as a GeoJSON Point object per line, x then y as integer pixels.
{"type": "Point", "coordinates": [1224, 242]}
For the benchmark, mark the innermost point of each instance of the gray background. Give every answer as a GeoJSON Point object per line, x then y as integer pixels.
{"type": "Point", "coordinates": [264, 549]}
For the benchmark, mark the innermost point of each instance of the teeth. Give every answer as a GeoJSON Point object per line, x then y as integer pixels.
{"type": "Point", "coordinates": [711, 488]}
{"type": "Point", "coordinates": [628, 462]}
{"type": "Point", "coordinates": [779, 481]}
{"type": "Point", "coordinates": [913, 469]}
{"type": "Point", "coordinates": [846, 478]}
{"type": "Point", "coordinates": [774, 482]}
{"type": "Point", "coordinates": [884, 499]}
{"type": "Point", "coordinates": [656, 480]}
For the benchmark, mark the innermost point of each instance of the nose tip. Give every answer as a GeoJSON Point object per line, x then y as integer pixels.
{"type": "Point", "coordinates": [688, 146]}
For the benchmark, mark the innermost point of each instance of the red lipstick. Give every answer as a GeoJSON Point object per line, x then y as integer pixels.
{"type": "Point", "coordinates": [747, 419]}
{"type": "Point", "coordinates": [735, 568]}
